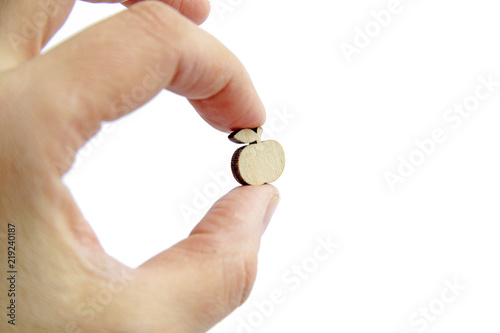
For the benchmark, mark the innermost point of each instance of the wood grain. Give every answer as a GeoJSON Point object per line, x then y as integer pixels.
{"type": "Point", "coordinates": [258, 163]}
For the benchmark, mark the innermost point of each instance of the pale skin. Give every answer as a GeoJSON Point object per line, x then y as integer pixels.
{"type": "Point", "coordinates": [51, 104]}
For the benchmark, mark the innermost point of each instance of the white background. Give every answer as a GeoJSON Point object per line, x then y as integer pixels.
{"type": "Point", "coordinates": [346, 124]}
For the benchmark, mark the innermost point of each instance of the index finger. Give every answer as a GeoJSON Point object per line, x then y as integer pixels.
{"type": "Point", "coordinates": [119, 64]}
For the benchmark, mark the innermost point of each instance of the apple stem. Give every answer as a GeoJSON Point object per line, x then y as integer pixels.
{"type": "Point", "coordinates": [259, 134]}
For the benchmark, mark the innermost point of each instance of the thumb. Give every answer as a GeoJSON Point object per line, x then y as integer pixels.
{"type": "Point", "coordinates": [211, 273]}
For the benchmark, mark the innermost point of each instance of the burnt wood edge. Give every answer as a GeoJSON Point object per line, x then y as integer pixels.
{"type": "Point", "coordinates": [235, 164]}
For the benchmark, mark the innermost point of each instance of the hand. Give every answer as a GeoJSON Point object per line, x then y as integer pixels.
{"type": "Point", "coordinates": [49, 102]}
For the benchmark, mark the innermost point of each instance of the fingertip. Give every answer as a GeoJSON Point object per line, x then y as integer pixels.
{"type": "Point", "coordinates": [271, 196]}
{"type": "Point", "coordinates": [196, 10]}
{"type": "Point", "coordinates": [203, 11]}
{"type": "Point", "coordinates": [244, 211]}
{"type": "Point", "coordinates": [271, 208]}
{"type": "Point", "coordinates": [262, 194]}
{"type": "Point", "coordinates": [235, 107]}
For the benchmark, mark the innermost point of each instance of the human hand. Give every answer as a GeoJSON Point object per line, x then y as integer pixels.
{"type": "Point", "coordinates": [65, 282]}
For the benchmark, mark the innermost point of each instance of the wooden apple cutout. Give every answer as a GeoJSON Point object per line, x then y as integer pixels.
{"type": "Point", "coordinates": [259, 162]}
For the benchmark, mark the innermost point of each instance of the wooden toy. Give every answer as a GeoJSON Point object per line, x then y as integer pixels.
{"type": "Point", "coordinates": [259, 162]}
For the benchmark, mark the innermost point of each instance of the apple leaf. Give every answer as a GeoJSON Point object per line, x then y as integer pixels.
{"type": "Point", "coordinates": [246, 135]}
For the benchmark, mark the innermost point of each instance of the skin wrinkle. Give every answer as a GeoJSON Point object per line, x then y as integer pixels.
{"type": "Point", "coordinates": [186, 76]}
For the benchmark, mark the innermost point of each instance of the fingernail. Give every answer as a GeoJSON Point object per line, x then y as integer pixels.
{"type": "Point", "coordinates": [271, 208]}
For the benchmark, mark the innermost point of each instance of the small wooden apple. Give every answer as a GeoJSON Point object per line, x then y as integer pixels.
{"type": "Point", "coordinates": [259, 162]}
